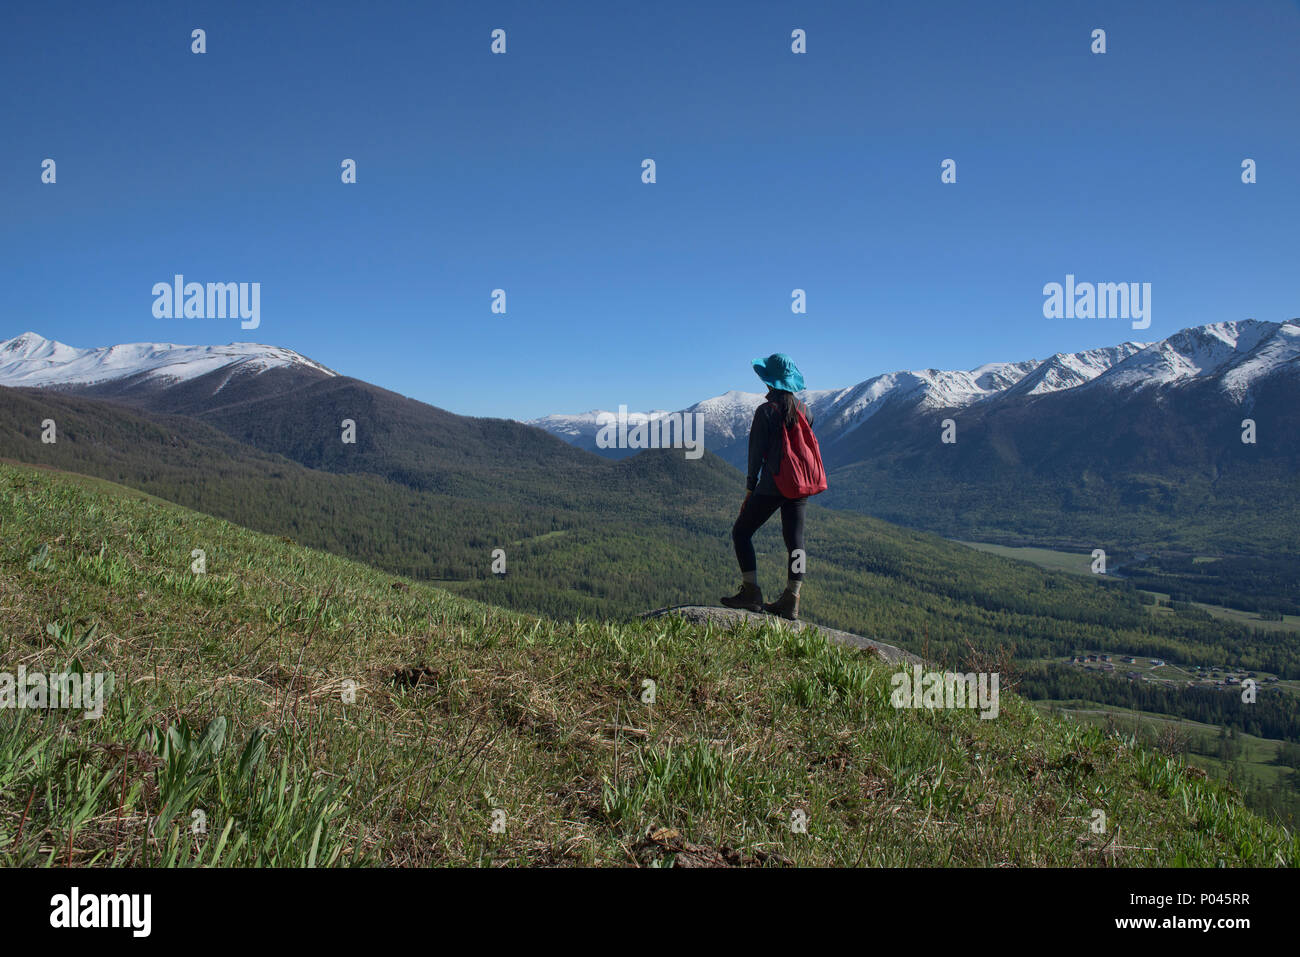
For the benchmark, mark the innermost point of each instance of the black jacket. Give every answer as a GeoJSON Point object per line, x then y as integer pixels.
{"type": "Point", "coordinates": [766, 443]}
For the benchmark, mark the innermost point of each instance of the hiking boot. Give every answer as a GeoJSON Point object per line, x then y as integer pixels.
{"type": "Point", "coordinates": [750, 598]}
{"type": "Point", "coordinates": [787, 606]}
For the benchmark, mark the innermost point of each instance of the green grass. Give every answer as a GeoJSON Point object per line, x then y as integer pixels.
{"type": "Point", "coordinates": [316, 711]}
{"type": "Point", "coordinates": [1254, 762]}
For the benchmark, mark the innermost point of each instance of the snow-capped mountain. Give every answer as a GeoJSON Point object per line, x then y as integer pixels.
{"type": "Point", "coordinates": [1275, 353]}
{"type": "Point", "coordinates": [34, 361]}
{"type": "Point", "coordinates": [1068, 370]}
{"type": "Point", "coordinates": [1237, 354]}
{"type": "Point", "coordinates": [925, 389]}
{"type": "Point", "coordinates": [996, 376]}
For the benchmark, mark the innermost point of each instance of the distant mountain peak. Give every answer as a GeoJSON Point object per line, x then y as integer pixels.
{"type": "Point", "coordinates": [22, 341]}
{"type": "Point", "coordinates": [1236, 353]}
{"type": "Point", "coordinates": [32, 360]}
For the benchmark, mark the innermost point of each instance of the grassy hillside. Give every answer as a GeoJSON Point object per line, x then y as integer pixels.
{"type": "Point", "coordinates": [232, 698]}
{"type": "Point", "coordinates": [602, 539]}
{"type": "Point", "coordinates": [1264, 769]}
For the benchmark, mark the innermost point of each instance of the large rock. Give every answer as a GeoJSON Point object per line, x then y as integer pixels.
{"type": "Point", "coordinates": [731, 617]}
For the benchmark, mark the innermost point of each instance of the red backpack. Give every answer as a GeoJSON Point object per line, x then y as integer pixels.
{"type": "Point", "coordinates": [801, 472]}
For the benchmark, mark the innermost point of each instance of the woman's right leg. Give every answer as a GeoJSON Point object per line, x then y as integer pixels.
{"type": "Point", "coordinates": [756, 510]}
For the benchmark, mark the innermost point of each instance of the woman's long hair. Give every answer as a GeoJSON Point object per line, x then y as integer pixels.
{"type": "Point", "coordinates": [786, 403]}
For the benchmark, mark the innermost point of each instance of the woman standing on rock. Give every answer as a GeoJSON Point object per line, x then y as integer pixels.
{"type": "Point", "coordinates": [785, 467]}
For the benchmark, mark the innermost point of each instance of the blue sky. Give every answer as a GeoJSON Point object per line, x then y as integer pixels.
{"type": "Point", "coordinates": [523, 172]}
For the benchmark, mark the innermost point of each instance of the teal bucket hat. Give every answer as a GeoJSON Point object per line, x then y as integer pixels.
{"type": "Point", "coordinates": [778, 371]}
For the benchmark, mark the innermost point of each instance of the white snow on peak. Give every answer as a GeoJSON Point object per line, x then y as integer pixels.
{"type": "Point", "coordinates": [727, 416]}
{"type": "Point", "coordinates": [32, 360]}
{"type": "Point", "coordinates": [1197, 353]}
{"type": "Point", "coordinates": [922, 388]}
{"type": "Point", "coordinates": [996, 376]}
{"type": "Point", "coordinates": [1066, 370]}
{"type": "Point", "coordinates": [1279, 349]}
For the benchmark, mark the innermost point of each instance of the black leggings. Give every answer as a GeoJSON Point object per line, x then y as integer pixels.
{"type": "Point", "coordinates": [758, 509]}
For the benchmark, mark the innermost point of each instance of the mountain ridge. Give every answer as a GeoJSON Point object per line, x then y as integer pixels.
{"type": "Point", "coordinates": [1159, 462]}
{"type": "Point", "coordinates": [1239, 352]}
{"type": "Point", "coordinates": [1186, 357]}
{"type": "Point", "coordinates": [30, 359]}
